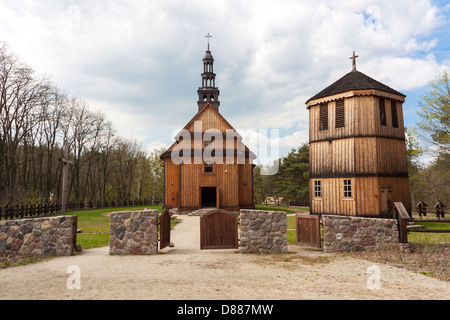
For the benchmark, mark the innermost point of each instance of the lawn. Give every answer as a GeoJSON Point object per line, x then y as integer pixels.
{"type": "Point", "coordinates": [277, 208]}
{"type": "Point", "coordinates": [430, 237]}
{"type": "Point", "coordinates": [95, 225]}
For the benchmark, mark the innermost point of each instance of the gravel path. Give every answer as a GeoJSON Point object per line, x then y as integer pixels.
{"type": "Point", "coordinates": [184, 272]}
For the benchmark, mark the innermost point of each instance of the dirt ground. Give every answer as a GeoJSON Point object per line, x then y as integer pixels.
{"type": "Point", "coordinates": [184, 272]}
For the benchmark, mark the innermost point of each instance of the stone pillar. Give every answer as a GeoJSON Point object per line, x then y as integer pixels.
{"type": "Point", "coordinates": [263, 231]}
{"type": "Point", "coordinates": [134, 233]}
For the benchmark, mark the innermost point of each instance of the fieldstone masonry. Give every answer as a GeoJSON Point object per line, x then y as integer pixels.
{"type": "Point", "coordinates": [263, 231]}
{"type": "Point", "coordinates": [38, 237]}
{"type": "Point", "coordinates": [134, 233]}
{"type": "Point", "coordinates": [358, 234]}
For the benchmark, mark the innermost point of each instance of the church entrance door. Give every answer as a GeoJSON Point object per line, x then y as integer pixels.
{"type": "Point", "coordinates": [209, 197]}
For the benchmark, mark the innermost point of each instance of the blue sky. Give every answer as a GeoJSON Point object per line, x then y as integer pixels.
{"type": "Point", "coordinates": [140, 62]}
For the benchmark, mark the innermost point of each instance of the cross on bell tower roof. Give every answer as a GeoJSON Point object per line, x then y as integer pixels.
{"type": "Point", "coordinates": [354, 61]}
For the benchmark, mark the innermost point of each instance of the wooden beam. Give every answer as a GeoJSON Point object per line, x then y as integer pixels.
{"type": "Point", "coordinates": [399, 212]}
{"type": "Point", "coordinates": [66, 162]}
{"type": "Point", "coordinates": [431, 230]}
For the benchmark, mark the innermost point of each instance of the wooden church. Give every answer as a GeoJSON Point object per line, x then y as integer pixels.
{"type": "Point", "coordinates": [208, 166]}
{"type": "Point", "coordinates": [358, 161]}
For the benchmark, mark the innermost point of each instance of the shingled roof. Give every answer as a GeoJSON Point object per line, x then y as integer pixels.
{"type": "Point", "coordinates": [354, 80]}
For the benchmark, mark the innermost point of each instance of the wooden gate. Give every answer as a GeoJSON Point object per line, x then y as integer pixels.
{"type": "Point", "coordinates": [308, 231]}
{"type": "Point", "coordinates": [164, 229]}
{"type": "Point", "coordinates": [219, 230]}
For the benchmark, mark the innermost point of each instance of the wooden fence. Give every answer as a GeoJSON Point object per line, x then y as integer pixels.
{"type": "Point", "coordinates": [406, 223]}
{"type": "Point", "coordinates": [299, 203]}
{"type": "Point", "coordinates": [439, 208]}
{"type": "Point", "coordinates": [36, 210]}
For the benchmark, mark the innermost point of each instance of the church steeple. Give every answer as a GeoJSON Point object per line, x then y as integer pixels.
{"type": "Point", "coordinates": [208, 92]}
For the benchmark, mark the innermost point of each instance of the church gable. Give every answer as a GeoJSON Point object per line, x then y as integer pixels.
{"type": "Point", "coordinates": [211, 119]}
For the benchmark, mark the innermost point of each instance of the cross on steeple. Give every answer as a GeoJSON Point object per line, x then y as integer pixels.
{"type": "Point", "coordinates": [354, 61]}
{"type": "Point", "coordinates": [208, 36]}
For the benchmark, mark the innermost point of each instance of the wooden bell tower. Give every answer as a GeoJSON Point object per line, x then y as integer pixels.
{"type": "Point", "coordinates": [358, 161]}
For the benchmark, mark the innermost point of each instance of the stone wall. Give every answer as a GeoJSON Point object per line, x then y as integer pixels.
{"type": "Point", "coordinates": [263, 231]}
{"type": "Point", "coordinates": [134, 233]}
{"type": "Point", "coordinates": [358, 234]}
{"type": "Point", "coordinates": [38, 237]}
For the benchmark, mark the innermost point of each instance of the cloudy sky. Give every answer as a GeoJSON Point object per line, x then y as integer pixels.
{"type": "Point", "coordinates": [140, 61]}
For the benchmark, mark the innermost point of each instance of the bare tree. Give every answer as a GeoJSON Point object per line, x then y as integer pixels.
{"type": "Point", "coordinates": [36, 117]}
{"type": "Point", "coordinates": [21, 94]}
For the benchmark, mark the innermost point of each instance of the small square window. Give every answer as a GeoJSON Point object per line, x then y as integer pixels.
{"type": "Point", "coordinates": [208, 166]}
{"type": "Point", "coordinates": [317, 189]}
{"type": "Point", "coordinates": [348, 188]}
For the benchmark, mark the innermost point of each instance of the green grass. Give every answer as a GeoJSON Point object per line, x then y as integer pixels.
{"type": "Point", "coordinates": [291, 222]}
{"type": "Point", "coordinates": [292, 236]}
{"type": "Point", "coordinates": [430, 237]}
{"type": "Point", "coordinates": [95, 225]}
{"type": "Point", "coordinates": [270, 208]}
{"type": "Point", "coordinates": [434, 225]}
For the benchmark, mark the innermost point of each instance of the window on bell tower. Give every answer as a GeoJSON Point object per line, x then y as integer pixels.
{"type": "Point", "coordinates": [340, 113]}
{"type": "Point", "coordinates": [394, 113]}
{"type": "Point", "coordinates": [382, 111]}
{"type": "Point", "coordinates": [323, 121]}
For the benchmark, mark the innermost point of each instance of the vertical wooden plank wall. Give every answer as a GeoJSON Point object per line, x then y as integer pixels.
{"type": "Point", "coordinates": [229, 178]}
{"type": "Point", "coordinates": [368, 153]}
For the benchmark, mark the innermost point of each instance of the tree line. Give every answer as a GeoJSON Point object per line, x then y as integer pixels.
{"type": "Point", "coordinates": [36, 117]}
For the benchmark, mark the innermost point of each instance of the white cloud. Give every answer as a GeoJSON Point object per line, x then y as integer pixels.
{"type": "Point", "coordinates": [155, 145]}
{"type": "Point", "coordinates": [294, 140]}
{"type": "Point", "coordinates": [141, 60]}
